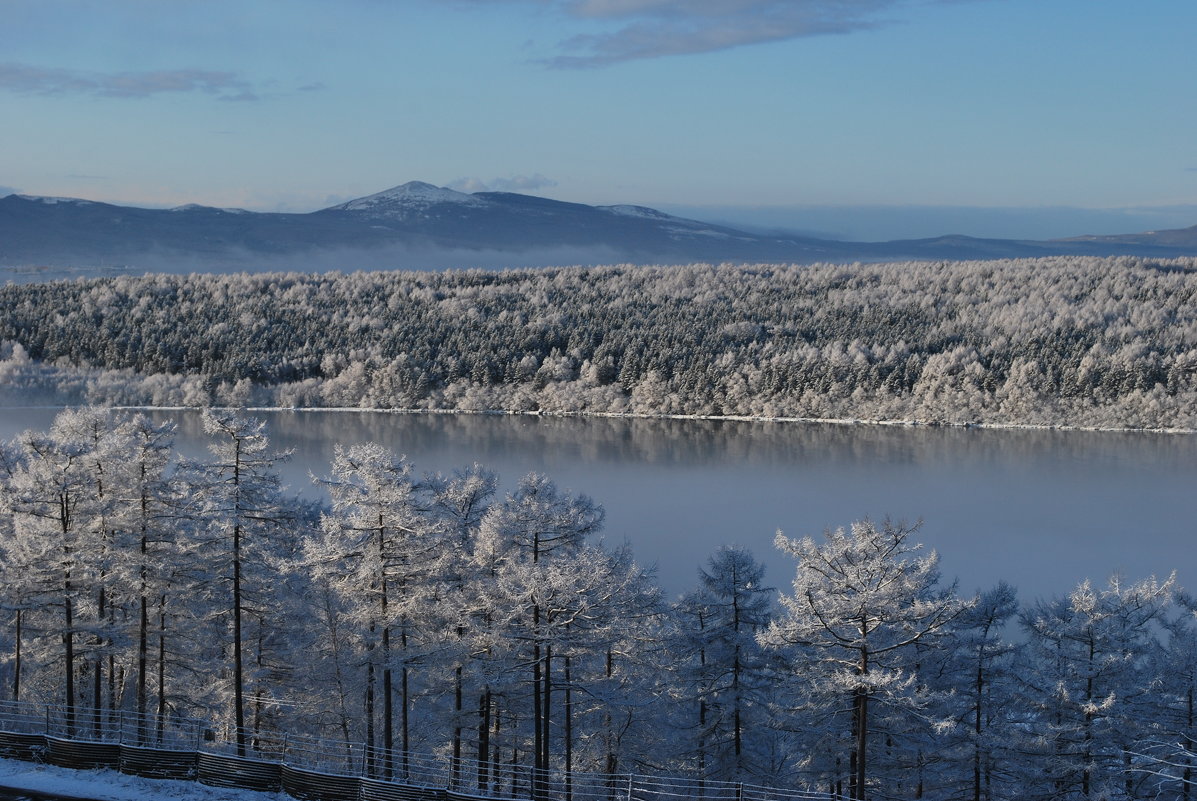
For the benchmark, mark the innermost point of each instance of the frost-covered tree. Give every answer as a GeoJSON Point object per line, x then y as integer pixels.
{"type": "Point", "coordinates": [534, 532]}
{"type": "Point", "coordinates": [1076, 341]}
{"type": "Point", "coordinates": [456, 506]}
{"type": "Point", "coordinates": [12, 600]}
{"type": "Point", "coordinates": [50, 495]}
{"type": "Point", "coordinates": [1085, 681]}
{"type": "Point", "coordinates": [380, 554]}
{"type": "Point", "coordinates": [148, 503]}
{"type": "Point", "coordinates": [726, 667]}
{"type": "Point", "coordinates": [862, 601]}
{"type": "Point", "coordinates": [1167, 751]}
{"type": "Point", "coordinates": [101, 543]}
{"type": "Point", "coordinates": [973, 671]}
{"type": "Point", "coordinates": [236, 495]}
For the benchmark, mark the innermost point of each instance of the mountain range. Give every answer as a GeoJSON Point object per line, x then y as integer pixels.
{"type": "Point", "coordinates": [419, 225]}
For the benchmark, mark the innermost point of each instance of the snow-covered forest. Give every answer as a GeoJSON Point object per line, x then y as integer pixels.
{"type": "Point", "coordinates": [1079, 341]}
{"type": "Point", "coordinates": [428, 614]}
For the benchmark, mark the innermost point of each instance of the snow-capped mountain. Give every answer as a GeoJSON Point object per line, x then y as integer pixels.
{"type": "Point", "coordinates": [413, 197]}
{"type": "Point", "coordinates": [418, 225]}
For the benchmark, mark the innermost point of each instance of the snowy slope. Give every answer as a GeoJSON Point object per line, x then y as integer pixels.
{"type": "Point", "coordinates": [406, 199]}
{"type": "Point", "coordinates": [109, 785]}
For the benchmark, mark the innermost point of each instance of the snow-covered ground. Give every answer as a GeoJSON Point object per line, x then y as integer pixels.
{"type": "Point", "coordinates": [110, 785]}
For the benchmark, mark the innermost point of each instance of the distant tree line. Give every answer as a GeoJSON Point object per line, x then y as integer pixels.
{"type": "Point", "coordinates": [427, 614]}
{"type": "Point", "coordinates": [1063, 341]}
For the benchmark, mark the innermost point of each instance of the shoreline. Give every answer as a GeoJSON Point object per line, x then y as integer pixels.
{"type": "Point", "coordinates": [641, 416]}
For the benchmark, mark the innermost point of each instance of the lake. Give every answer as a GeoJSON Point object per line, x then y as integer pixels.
{"type": "Point", "coordinates": [1040, 509]}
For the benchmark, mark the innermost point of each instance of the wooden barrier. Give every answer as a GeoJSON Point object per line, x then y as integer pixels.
{"type": "Point", "coordinates": [157, 763]}
{"type": "Point", "coordinates": [29, 747]}
{"type": "Point", "coordinates": [309, 785]}
{"type": "Point", "coordinates": [378, 790]}
{"type": "Point", "coordinates": [82, 755]}
{"type": "Point", "coordinates": [220, 770]}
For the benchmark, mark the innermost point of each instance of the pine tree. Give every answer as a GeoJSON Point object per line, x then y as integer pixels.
{"type": "Point", "coordinates": [1085, 679]}
{"type": "Point", "coordinates": [727, 666]}
{"type": "Point", "coordinates": [236, 492]}
{"type": "Point", "coordinates": [534, 528]}
{"type": "Point", "coordinates": [380, 553]}
{"type": "Point", "coordinates": [862, 599]}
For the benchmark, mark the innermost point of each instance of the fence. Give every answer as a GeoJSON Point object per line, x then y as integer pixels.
{"type": "Point", "coordinates": [316, 769]}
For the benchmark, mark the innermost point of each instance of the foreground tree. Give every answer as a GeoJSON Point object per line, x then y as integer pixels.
{"type": "Point", "coordinates": [1089, 681]}
{"type": "Point", "coordinates": [237, 496]}
{"type": "Point", "coordinates": [861, 601]}
{"type": "Point", "coordinates": [974, 676]}
{"type": "Point", "coordinates": [727, 669]}
{"type": "Point", "coordinates": [379, 553]}
{"type": "Point", "coordinates": [537, 529]}
{"type": "Point", "coordinates": [148, 510]}
{"type": "Point", "coordinates": [50, 495]}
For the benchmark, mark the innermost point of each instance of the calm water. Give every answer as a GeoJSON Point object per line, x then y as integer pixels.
{"type": "Point", "coordinates": [1040, 509]}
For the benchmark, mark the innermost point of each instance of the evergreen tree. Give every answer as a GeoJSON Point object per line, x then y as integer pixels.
{"type": "Point", "coordinates": [862, 600]}
{"type": "Point", "coordinates": [236, 493]}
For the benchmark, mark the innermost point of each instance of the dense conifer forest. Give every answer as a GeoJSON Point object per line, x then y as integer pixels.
{"type": "Point", "coordinates": [1079, 341]}
{"type": "Point", "coordinates": [428, 614]}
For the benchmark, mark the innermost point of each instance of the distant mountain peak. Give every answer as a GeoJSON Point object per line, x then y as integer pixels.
{"type": "Point", "coordinates": [201, 207]}
{"type": "Point", "coordinates": [413, 195]}
{"type": "Point", "coordinates": [637, 211]}
{"type": "Point", "coordinates": [53, 201]}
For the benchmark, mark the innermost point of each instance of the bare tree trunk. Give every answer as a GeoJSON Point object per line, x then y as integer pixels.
{"type": "Point", "coordinates": [980, 685]}
{"type": "Point", "coordinates": [68, 630]}
{"type": "Point", "coordinates": [569, 735]}
{"type": "Point", "coordinates": [371, 743]}
{"type": "Point", "coordinates": [537, 705]}
{"type": "Point", "coordinates": [238, 667]}
{"type": "Point", "coordinates": [16, 670]}
{"type": "Point", "coordinates": [143, 623]}
{"type": "Point", "coordinates": [161, 665]}
{"type": "Point", "coordinates": [861, 725]}
{"type": "Point", "coordinates": [455, 772]}
{"type": "Point", "coordinates": [483, 739]}
{"type": "Point", "coordinates": [546, 711]}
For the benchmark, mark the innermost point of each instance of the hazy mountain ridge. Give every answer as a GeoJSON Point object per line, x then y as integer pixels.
{"type": "Point", "coordinates": [418, 218]}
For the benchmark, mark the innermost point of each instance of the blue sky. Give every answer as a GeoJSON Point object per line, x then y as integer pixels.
{"type": "Point", "coordinates": [859, 118]}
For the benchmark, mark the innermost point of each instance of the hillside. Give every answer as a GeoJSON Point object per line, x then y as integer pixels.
{"type": "Point", "coordinates": [420, 226]}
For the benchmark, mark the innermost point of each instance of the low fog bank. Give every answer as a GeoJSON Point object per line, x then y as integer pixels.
{"type": "Point", "coordinates": [347, 260]}
{"type": "Point", "coordinates": [888, 223]}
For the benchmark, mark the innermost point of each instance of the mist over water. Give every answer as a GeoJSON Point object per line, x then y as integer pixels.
{"type": "Point", "coordinates": [346, 260]}
{"type": "Point", "coordinates": [1040, 509]}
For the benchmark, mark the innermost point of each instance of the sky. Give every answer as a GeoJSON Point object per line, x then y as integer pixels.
{"type": "Point", "coordinates": [862, 119]}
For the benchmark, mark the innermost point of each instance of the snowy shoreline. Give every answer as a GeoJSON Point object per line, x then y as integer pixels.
{"type": "Point", "coordinates": [684, 417]}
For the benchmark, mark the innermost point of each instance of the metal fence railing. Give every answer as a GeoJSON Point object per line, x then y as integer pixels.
{"type": "Point", "coordinates": [204, 746]}
{"type": "Point", "coordinates": [164, 732]}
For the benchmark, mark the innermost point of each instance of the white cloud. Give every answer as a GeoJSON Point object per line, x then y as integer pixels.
{"type": "Point", "coordinates": [516, 183]}
{"type": "Point", "coordinates": [653, 28]}
{"type": "Point", "coordinates": [28, 79]}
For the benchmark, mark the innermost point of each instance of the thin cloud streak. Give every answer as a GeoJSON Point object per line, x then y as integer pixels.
{"type": "Point", "coordinates": [516, 183]}
{"type": "Point", "coordinates": [27, 79]}
{"type": "Point", "coordinates": [656, 28]}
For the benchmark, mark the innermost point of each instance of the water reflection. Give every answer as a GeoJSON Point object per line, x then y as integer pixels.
{"type": "Point", "coordinates": [1041, 509]}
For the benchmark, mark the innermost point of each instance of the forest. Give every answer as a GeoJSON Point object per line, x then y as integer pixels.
{"type": "Point", "coordinates": [426, 614]}
{"type": "Point", "coordinates": [1070, 341]}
